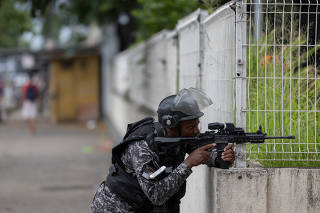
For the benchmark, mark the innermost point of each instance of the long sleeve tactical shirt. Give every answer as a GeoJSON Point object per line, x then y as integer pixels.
{"type": "Point", "coordinates": [138, 159]}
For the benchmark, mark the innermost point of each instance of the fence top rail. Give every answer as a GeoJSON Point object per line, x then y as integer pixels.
{"type": "Point", "coordinates": [191, 18]}
{"type": "Point", "coordinates": [297, 160]}
{"type": "Point", "coordinates": [280, 12]}
{"type": "Point", "coordinates": [282, 3]}
{"type": "Point", "coordinates": [218, 12]}
{"type": "Point", "coordinates": [154, 39]}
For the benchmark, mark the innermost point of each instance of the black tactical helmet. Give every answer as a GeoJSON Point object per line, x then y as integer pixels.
{"type": "Point", "coordinates": [181, 107]}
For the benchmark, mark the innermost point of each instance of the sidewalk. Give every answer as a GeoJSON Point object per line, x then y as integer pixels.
{"type": "Point", "coordinates": [54, 171]}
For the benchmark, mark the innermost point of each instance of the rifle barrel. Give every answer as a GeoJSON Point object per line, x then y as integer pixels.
{"type": "Point", "coordinates": [280, 137]}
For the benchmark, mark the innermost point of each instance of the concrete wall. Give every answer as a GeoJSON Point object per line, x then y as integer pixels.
{"type": "Point", "coordinates": [200, 52]}
{"type": "Point", "coordinates": [189, 49]}
{"type": "Point", "coordinates": [137, 64]}
{"type": "Point", "coordinates": [218, 63]}
{"type": "Point", "coordinates": [109, 48]}
{"type": "Point", "coordinates": [274, 190]}
{"type": "Point", "coordinates": [126, 72]}
{"type": "Point", "coordinates": [215, 73]}
{"type": "Point", "coordinates": [172, 62]}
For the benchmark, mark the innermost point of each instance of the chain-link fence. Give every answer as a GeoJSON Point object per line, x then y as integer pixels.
{"type": "Point", "coordinates": [283, 80]}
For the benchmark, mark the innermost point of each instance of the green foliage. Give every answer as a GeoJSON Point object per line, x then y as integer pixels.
{"type": "Point", "coordinates": [282, 83]}
{"type": "Point", "coordinates": [52, 23]}
{"type": "Point", "coordinates": [154, 15]}
{"type": "Point", "coordinates": [38, 7]}
{"type": "Point", "coordinates": [99, 11]}
{"type": "Point", "coordinates": [57, 14]}
{"type": "Point", "coordinates": [147, 16]}
{"type": "Point", "coordinates": [212, 5]}
{"type": "Point", "coordinates": [14, 21]}
{"type": "Point", "coordinates": [150, 16]}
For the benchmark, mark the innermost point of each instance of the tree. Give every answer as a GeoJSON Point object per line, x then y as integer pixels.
{"type": "Point", "coordinates": [146, 17]}
{"type": "Point", "coordinates": [102, 12]}
{"type": "Point", "coordinates": [83, 12]}
{"type": "Point", "coordinates": [154, 15]}
{"type": "Point", "coordinates": [14, 21]}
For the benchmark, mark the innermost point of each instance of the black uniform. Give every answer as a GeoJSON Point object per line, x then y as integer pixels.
{"type": "Point", "coordinates": [128, 187]}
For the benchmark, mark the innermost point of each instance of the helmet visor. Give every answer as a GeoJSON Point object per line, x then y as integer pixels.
{"type": "Point", "coordinates": [190, 101]}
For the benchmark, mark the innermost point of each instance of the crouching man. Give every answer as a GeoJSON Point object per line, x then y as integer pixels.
{"type": "Point", "coordinates": [144, 177]}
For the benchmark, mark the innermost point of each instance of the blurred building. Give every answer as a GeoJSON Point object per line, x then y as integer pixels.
{"type": "Point", "coordinates": [74, 84]}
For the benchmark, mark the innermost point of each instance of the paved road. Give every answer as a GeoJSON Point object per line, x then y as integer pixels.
{"type": "Point", "coordinates": [54, 171]}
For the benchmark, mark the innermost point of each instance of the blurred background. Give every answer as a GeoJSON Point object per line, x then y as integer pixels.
{"type": "Point", "coordinates": [54, 161]}
{"type": "Point", "coordinates": [40, 40]}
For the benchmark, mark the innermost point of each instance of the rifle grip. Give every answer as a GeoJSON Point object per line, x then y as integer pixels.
{"type": "Point", "coordinates": [221, 163]}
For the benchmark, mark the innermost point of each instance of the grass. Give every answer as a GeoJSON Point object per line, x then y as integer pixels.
{"type": "Point", "coordinates": [284, 82]}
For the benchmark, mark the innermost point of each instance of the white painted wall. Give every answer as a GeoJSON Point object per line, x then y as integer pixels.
{"type": "Point", "coordinates": [219, 63]}
{"type": "Point", "coordinates": [156, 75]}
{"type": "Point", "coordinates": [189, 49]}
{"type": "Point", "coordinates": [171, 55]}
{"type": "Point", "coordinates": [109, 48]}
{"type": "Point", "coordinates": [215, 76]}
{"type": "Point", "coordinates": [137, 66]}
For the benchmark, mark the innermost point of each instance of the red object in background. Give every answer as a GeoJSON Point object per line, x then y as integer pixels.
{"type": "Point", "coordinates": [26, 86]}
{"type": "Point", "coordinates": [1, 87]}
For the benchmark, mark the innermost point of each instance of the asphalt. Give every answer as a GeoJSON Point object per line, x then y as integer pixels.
{"type": "Point", "coordinates": [56, 170]}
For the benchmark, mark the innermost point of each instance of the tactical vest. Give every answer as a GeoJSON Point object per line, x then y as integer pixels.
{"type": "Point", "coordinates": [126, 185]}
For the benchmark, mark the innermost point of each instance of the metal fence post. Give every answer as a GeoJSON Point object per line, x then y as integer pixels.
{"type": "Point", "coordinates": [240, 103]}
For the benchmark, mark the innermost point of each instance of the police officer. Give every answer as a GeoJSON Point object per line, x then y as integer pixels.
{"type": "Point", "coordinates": [145, 177]}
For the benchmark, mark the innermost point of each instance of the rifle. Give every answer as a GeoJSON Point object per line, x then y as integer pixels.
{"type": "Point", "coordinates": [221, 134]}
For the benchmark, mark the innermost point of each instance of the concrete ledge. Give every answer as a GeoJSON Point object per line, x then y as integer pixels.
{"type": "Point", "coordinates": [240, 190]}
{"type": "Point", "coordinates": [272, 190]}
{"type": "Point", "coordinates": [293, 190]}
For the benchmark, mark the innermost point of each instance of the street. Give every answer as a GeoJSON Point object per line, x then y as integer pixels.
{"type": "Point", "coordinates": [54, 171]}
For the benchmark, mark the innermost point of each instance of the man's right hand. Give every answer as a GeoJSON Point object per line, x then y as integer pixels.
{"type": "Point", "coordinates": [198, 156]}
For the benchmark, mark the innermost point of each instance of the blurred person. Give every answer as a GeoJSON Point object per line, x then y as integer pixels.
{"type": "Point", "coordinates": [8, 100]}
{"type": "Point", "coordinates": [1, 97]}
{"type": "Point", "coordinates": [29, 104]}
{"type": "Point", "coordinates": [41, 85]}
{"type": "Point", "coordinates": [136, 180]}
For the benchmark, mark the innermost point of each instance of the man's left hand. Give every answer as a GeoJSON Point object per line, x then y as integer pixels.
{"type": "Point", "coordinates": [228, 154]}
